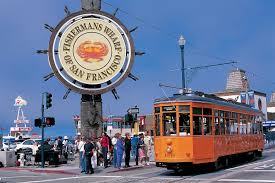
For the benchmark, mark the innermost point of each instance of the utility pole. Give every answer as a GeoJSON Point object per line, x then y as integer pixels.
{"type": "Point", "coordinates": [91, 105]}
{"type": "Point", "coordinates": [42, 132]}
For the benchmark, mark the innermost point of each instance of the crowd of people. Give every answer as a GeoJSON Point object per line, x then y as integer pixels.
{"type": "Point", "coordinates": [107, 151]}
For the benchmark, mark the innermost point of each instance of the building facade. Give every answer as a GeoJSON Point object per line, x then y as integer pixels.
{"type": "Point", "coordinates": [237, 89]}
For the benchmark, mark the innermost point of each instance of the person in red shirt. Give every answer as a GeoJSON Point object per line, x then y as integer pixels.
{"type": "Point", "coordinates": [105, 148]}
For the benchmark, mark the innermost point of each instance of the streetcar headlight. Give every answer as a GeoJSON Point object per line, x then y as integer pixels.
{"type": "Point", "coordinates": [169, 149]}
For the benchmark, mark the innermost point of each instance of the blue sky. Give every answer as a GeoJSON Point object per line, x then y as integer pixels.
{"type": "Point", "coordinates": [239, 30]}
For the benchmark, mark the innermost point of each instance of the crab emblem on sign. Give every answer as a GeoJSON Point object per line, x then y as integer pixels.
{"type": "Point", "coordinates": [92, 52]}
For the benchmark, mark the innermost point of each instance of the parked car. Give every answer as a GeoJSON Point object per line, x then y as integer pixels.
{"type": "Point", "coordinates": [9, 143]}
{"type": "Point", "coordinates": [30, 143]}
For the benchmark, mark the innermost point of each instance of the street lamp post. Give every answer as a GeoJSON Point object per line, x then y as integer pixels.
{"type": "Point", "coordinates": [182, 42]}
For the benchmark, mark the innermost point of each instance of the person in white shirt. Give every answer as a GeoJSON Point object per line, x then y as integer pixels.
{"type": "Point", "coordinates": [82, 159]}
{"type": "Point", "coordinates": [148, 144]}
{"type": "Point", "coordinates": [114, 141]}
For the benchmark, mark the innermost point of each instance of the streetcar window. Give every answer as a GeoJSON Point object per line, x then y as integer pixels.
{"type": "Point", "coordinates": [249, 125]}
{"type": "Point", "coordinates": [235, 121]}
{"type": "Point", "coordinates": [254, 129]}
{"type": "Point", "coordinates": [216, 113]}
{"type": "Point", "coordinates": [217, 126]}
{"type": "Point", "coordinates": [222, 126]}
{"type": "Point", "coordinates": [207, 111]}
{"type": "Point", "coordinates": [227, 126]}
{"type": "Point", "coordinates": [157, 125]}
{"type": "Point", "coordinates": [157, 110]}
{"type": "Point", "coordinates": [184, 124]}
{"type": "Point", "coordinates": [197, 125]}
{"type": "Point", "coordinates": [207, 121]}
{"type": "Point", "coordinates": [221, 113]}
{"type": "Point", "coordinates": [243, 124]}
{"type": "Point", "coordinates": [197, 110]}
{"type": "Point", "coordinates": [227, 114]}
{"type": "Point", "coordinates": [169, 124]}
{"type": "Point", "coordinates": [231, 126]}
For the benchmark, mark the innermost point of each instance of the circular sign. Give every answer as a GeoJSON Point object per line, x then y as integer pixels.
{"type": "Point", "coordinates": [91, 52]}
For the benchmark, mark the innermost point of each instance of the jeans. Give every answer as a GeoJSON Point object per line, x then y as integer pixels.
{"type": "Point", "coordinates": [104, 152]}
{"type": "Point", "coordinates": [115, 158]}
{"type": "Point", "coordinates": [82, 161]}
{"type": "Point", "coordinates": [119, 159]}
{"type": "Point", "coordinates": [134, 151]}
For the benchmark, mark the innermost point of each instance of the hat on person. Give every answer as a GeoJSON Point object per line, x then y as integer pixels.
{"type": "Point", "coordinates": [78, 133]}
{"type": "Point", "coordinates": [65, 137]}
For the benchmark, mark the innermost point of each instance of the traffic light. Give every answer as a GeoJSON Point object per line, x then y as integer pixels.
{"type": "Point", "coordinates": [50, 121]}
{"type": "Point", "coordinates": [38, 122]}
{"type": "Point", "coordinates": [129, 118]}
{"type": "Point", "coordinates": [48, 100]}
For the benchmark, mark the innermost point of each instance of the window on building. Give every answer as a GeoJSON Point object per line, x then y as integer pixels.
{"type": "Point", "coordinates": [169, 124]}
{"type": "Point", "coordinates": [157, 125]}
{"type": "Point", "coordinates": [184, 120]}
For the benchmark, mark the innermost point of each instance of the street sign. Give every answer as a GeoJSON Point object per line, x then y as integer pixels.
{"type": "Point", "coordinates": [134, 110]}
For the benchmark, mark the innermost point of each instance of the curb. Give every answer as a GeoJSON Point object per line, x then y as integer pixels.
{"type": "Point", "coordinates": [41, 171]}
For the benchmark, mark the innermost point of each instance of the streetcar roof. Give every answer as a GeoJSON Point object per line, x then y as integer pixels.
{"type": "Point", "coordinates": [205, 98]}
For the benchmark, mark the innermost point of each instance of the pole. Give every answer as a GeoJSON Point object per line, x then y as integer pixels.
{"type": "Point", "coordinates": [182, 66]}
{"type": "Point", "coordinates": [42, 129]}
{"type": "Point", "coordinates": [91, 105]}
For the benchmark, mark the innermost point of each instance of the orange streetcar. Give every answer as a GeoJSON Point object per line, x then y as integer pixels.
{"type": "Point", "coordinates": [197, 128]}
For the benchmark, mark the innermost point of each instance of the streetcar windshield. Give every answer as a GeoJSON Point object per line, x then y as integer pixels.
{"type": "Point", "coordinates": [169, 124]}
{"type": "Point", "coordinates": [184, 120]}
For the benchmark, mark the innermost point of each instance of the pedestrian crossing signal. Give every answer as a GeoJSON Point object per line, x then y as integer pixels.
{"type": "Point", "coordinates": [50, 121]}
{"type": "Point", "coordinates": [38, 122]}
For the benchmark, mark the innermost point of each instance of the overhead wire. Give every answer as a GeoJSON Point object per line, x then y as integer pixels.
{"type": "Point", "coordinates": [195, 50]}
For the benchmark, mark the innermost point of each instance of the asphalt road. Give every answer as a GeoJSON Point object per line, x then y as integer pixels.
{"type": "Point", "coordinates": [262, 171]}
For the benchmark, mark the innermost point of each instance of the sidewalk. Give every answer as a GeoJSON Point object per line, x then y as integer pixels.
{"type": "Point", "coordinates": [72, 168]}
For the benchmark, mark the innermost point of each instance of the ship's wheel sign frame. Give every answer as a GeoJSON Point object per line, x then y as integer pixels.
{"type": "Point", "coordinates": [91, 52]}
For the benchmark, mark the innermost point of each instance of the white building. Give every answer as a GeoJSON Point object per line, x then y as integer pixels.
{"type": "Point", "coordinates": [237, 89]}
{"type": "Point", "coordinates": [271, 105]}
